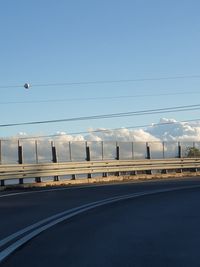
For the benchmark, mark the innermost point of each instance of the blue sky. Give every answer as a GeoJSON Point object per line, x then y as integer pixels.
{"type": "Point", "coordinates": [44, 42]}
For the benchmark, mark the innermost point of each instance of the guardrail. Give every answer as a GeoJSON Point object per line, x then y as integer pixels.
{"type": "Point", "coordinates": [37, 171]}
{"type": "Point", "coordinates": [32, 151]}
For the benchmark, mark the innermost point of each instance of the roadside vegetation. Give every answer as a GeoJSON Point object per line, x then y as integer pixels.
{"type": "Point", "coordinates": [193, 152]}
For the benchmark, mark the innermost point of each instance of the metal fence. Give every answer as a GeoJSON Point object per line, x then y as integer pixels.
{"type": "Point", "coordinates": [46, 151]}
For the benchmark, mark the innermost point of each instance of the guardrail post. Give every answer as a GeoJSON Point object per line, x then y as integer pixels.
{"type": "Point", "coordinates": [37, 179]}
{"type": "Point", "coordinates": [2, 181]}
{"type": "Point", "coordinates": [163, 149]}
{"type": "Point", "coordinates": [20, 160]}
{"type": "Point", "coordinates": [164, 171]}
{"type": "Point", "coordinates": [54, 159]}
{"type": "Point", "coordinates": [180, 152]}
{"type": "Point", "coordinates": [105, 174]}
{"type": "Point", "coordinates": [148, 157]}
{"type": "Point", "coordinates": [73, 177]}
{"type": "Point", "coordinates": [87, 153]}
{"type": "Point", "coordinates": [0, 153]}
{"type": "Point", "coordinates": [88, 158]}
{"type": "Point", "coordinates": [117, 157]}
{"type": "Point", "coordinates": [148, 151]}
{"type": "Point", "coordinates": [70, 158]}
{"type": "Point", "coordinates": [36, 152]}
{"type": "Point", "coordinates": [20, 156]}
{"type": "Point", "coordinates": [194, 169]}
{"type": "Point", "coordinates": [102, 150]}
{"type": "Point", "coordinates": [132, 150]}
{"type": "Point", "coordinates": [70, 151]}
{"type": "Point", "coordinates": [133, 172]}
{"type": "Point", "coordinates": [117, 152]}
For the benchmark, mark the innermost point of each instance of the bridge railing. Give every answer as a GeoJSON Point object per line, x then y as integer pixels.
{"type": "Point", "coordinates": [21, 171]}
{"type": "Point", "coordinates": [36, 159]}
{"type": "Point", "coordinates": [41, 151]}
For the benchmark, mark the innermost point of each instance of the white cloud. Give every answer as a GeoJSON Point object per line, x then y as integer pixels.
{"type": "Point", "coordinates": [123, 134]}
{"type": "Point", "coordinates": [172, 130]}
{"type": "Point", "coordinates": [164, 130]}
{"type": "Point", "coordinates": [63, 136]}
{"type": "Point", "coordinates": [168, 130]}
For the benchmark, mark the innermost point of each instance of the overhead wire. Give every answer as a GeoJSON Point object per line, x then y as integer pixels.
{"type": "Point", "coordinates": [106, 116]}
{"type": "Point", "coordinates": [111, 115]}
{"type": "Point", "coordinates": [97, 98]}
{"type": "Point", "coordinates": [118, 81]}
{"type": "Point", "coordinates": [106, 81]}
{"type": "Point", "coordinates": [108, 130]}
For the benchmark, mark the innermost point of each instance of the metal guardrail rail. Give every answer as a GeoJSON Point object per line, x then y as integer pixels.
{"type": "Point", "coordinates": [20, 171]}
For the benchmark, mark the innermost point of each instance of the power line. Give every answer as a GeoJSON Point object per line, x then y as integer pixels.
{"type": "Point", "coordinates": [97, 98]}
{"type": "Point", "coordinates": [129, 127]}
{"type": "Point", "coordinates": [119, 81]}
{"type": "Point", "coordinates": [112, 115]}
{"type": "Point", "coordinates": [109, 130]}
{"type": "Point", "coordinates": [106, 81]}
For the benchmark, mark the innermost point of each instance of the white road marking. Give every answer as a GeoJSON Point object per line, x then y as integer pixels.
{"type": "Point", "coordinates": [91, 186]}
{"type": "Point", "coordinates": [52, 190]}
{"type": "Point", "coordinates": [54, 220]}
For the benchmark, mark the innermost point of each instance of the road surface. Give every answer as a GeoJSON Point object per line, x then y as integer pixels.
{"type": "Point", "coordinates": [156, 224]}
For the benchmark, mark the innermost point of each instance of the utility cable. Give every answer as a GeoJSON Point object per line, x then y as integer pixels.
{"type": "Point", "coordinates": [97, 98]}
{"type": "Point", "coordinates": [110, 130]}
{"type": "Point", "coordinates": [105, 81]}
{"type": "Point", "coordinates": [112, 115]}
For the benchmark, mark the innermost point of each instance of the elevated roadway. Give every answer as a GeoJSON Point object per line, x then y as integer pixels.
{"type": "Point", "coordinates": [131, 224]}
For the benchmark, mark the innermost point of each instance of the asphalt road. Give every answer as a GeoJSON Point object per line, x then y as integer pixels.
{"type": "Point", "coordinates": [159, 229]}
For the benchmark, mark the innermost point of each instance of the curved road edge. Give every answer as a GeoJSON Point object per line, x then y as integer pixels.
{"type": "Point", "coordinates": [23, 236]}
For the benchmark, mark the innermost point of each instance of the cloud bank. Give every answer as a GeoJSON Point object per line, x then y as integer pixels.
{"type": "Point", "coordinates": [132, 143]}
{"type": "Point", "coordinates": [164, 130]}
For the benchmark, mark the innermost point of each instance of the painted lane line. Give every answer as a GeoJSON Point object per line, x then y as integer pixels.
{"type": "Point", "coordinates": [13, 247]}
{"type": "Point", "coordinates": [41, 191]}
{"type": "Point", "coordinates": [73, 212]}
{"type": "Point", "coordinates": [13, 236]}
{"type": "Point", "coordinates": [57, 189]}
{"type": "Point", "coordinates": [82, 187]}
{"type": "Point", "coordinates": [35, 225]}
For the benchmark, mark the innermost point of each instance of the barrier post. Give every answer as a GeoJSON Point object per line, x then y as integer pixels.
{"type": "Point", "coordinates": [195, 169]}
{"type": "Point", "coordinates": [164, 171]}
{"type": "Point", "coordinates": [180, 153]}
{"type": "Point", "coordinates": [88, 158]}
{"type": "Point", "coordinates": [148, 157]}
{"type": "Point", "coordinates": [70, 158]}
{"type": "Point", "coordinates": [105, 174]}
{"type": "Point", "coordinates": [37, 179]}
{"type": "Point", "coordinates": [54, 159]}
{"type": "Point", "coordinates": [2, 181]}
{"type": "Point", "coordinates": [179, 150]}
{"type": "Point", "coordinates": [0, 153]}
{"type": "Point", "coordinates": [133, 157]}
{"type": "Point", "coordinates": [117, 156]}
{"type": "Point", "coordinates": [20, 159]}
